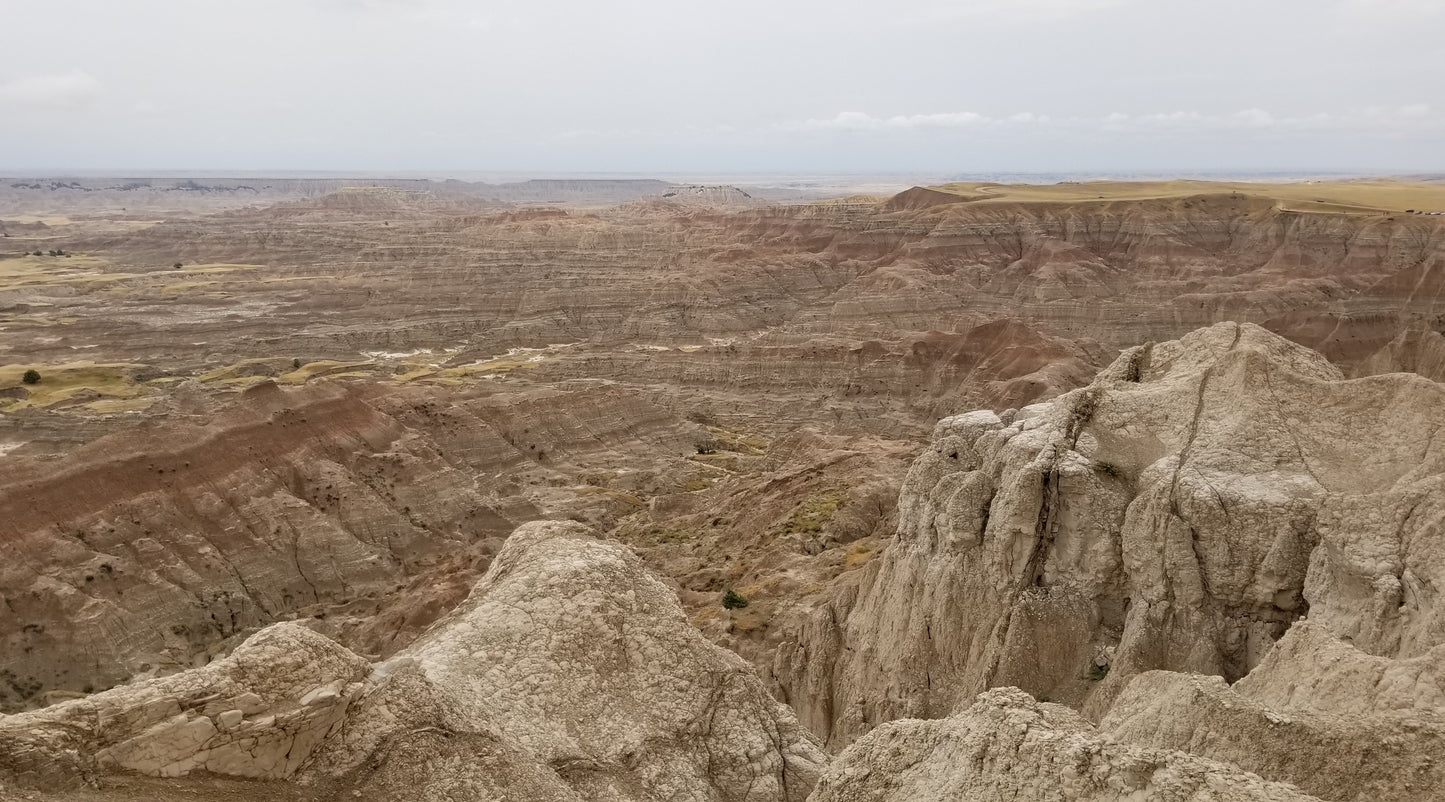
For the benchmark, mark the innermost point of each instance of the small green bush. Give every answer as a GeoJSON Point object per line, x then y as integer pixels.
{"type": "Point", "coordinates": [31, 376]}
{"type": "Point", "coordinates": [1097, 673]}
{"type": "Point", "coordinates": [732, 600]}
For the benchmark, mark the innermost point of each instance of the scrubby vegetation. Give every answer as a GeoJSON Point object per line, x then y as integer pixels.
{"type": "Point", "coordinates": [732, 600]}
{"type": "Point", "coordinates": [815, 513]}
{"type": "Point", "coordinates": [1108, 468]}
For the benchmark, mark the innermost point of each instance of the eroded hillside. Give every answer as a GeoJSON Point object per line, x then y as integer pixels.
{"type": "Point", "coordinates": [320, 419]}
{"type": "Point", "coordinates": [1220, 553]}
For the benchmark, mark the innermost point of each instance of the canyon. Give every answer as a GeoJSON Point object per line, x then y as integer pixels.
{"type": "Point", "coordinates": [637, 490]}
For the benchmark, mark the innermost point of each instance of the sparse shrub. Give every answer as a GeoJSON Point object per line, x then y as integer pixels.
{"type": "Point", "coordinates": [674, 536]}
{"type": "Point", "coordinates": [31, 376]}
{"type": "Point", "coordinates": [1134, 368]}
{"type": "Point", "coordinates": [814, 513]}
{"type": "Point", "coordinates": [1086, 403]}
{"type": "Point", "coordinates": [732, 600]}
{"type": "Point", "coordinates": [177, 266]}
{"type": "Point", "coordinates": [1098, 672]}
{"type": "Point", "coordinates": [706, 449]}
{"type": "Point", "coordinates": [295, 364]}
{"type": "Point", "coordinates": [1108, 468]}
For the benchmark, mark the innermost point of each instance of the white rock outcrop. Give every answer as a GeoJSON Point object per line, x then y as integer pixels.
{"type": "Point", "coordinates": [569, 673]}
{"type": "Point", "coordinates": [1006, 746]}
{"type": "Point", "coordinates": [245, 715]}
{"type": "Point", "coordinates": [1348, 757]}
{"type": "Point", "coordinates": [1180, 513]}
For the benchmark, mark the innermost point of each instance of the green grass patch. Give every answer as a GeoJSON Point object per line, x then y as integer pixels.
{"type": "Point", "coordinates": [814, 513]}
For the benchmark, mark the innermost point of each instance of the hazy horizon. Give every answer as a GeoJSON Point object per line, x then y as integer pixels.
{"type": "Point", "coordinates": [1027, 87]}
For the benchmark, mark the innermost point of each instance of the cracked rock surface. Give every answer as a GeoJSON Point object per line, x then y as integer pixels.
{"type": "Point", "coordinates": [569, 673]}
{"type": "Point", "coordinates": [1180, 513]}
{"type": "Point", "coordinates": [1007, 746]}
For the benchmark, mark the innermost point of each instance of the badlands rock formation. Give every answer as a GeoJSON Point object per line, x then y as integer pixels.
{"type": "Point", "coordinates": [1179, 513]}
{"type": "Point", "coordinates": [1007, 746]}
{"type": "Point", "coordinates": [352, 394]}
{"type": "Point", "coordinates": [1220, 508]}
{"type": "Point", "coordinates": [1336, 753]}
{"type": "Point", "coordinates": [864, 314]}
{"type": "Point", "coordinates": [372, 509]}
{"type": "Point", "coordinates": [570, 673]}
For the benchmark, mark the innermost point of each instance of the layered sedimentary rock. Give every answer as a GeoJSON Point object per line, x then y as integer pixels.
{"type": "Point", "coordinates": [358, 394]}
{"type": "Point", "coordinates": [1179, 513]}
{"type": "Point", "coordinates": [569, 673]}
{"type": "Point", "coordinates": [1007, 746]}
{"type": "Point", "coordinates": [373, 508]}
{"type": "Point", "coordinates": [877, 314]}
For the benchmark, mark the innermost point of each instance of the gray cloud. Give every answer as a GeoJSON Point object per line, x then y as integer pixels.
{"type": "Point", "coordinates": [1416, 119]}
{"type": "Point", "coordinates": [65, 90]}
{"type": "Point", "coordinates": [955, 85]}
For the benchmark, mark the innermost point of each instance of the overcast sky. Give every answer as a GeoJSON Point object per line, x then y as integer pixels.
{"type": "Point", "coordinates": [725, 85]}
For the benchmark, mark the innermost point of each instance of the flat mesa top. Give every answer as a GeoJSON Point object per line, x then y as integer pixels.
{"type": "Point", "coordinates": [1345, 196]}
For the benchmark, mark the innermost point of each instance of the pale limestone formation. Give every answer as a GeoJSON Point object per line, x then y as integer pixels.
{"type": "Point", "coordinates": [1179, 513]}
{"type": "Point", "coordinates": [1006, 746]}
{"type": "Point", "coordinates": [569, 673]}
{"type": "Point", "coordinates": [1310, 670]}
{"type": "Point", "coordinates": [1346, 755]}
{"type": "Point", "coordinates": [259, 712]}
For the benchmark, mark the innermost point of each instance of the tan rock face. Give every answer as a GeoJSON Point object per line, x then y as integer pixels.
{"type": "Point", "coordinates": [1310, 670]}
{"type": "Point", "coordinates": [571, 650]}
{"type": "Point", "coordinates": [1007, 746]}
{"type": "Point", "coordinates": [246, 715]}
{"type": "Point", "coordinates": [1180, 513]}
{"type": "Point", "coordinates": [570, 673]}
{"type": "Point", "coordinates": [1337, 755]}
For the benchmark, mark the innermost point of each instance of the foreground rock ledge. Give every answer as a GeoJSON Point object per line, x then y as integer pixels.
{"type": "Point", "coordinates": [1007, 746]}
{"type": "Point", "coordinates": [569, 673]}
